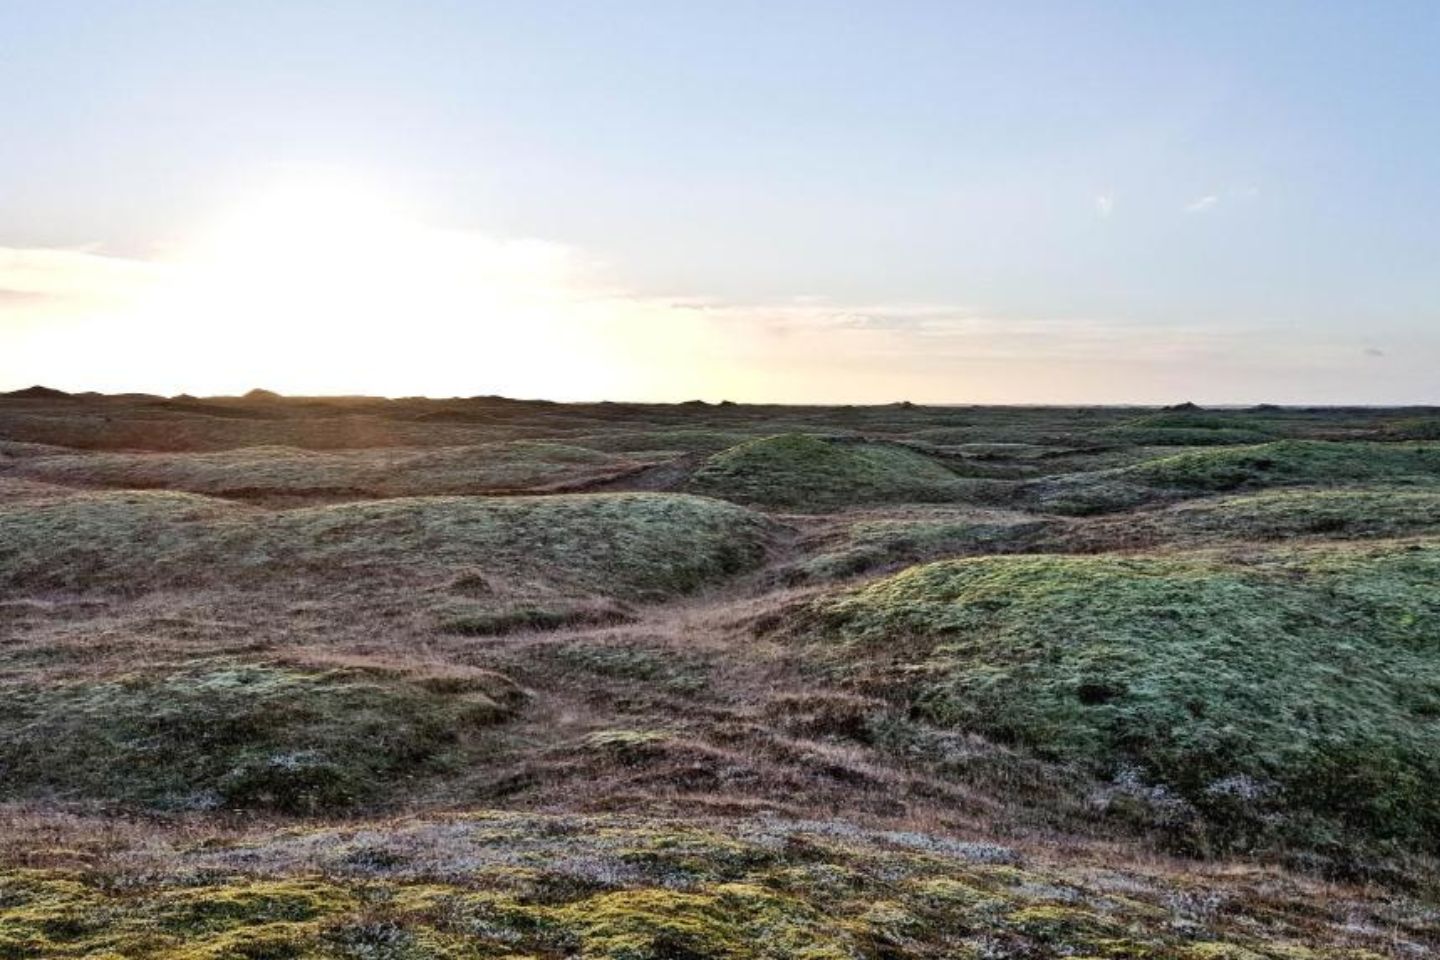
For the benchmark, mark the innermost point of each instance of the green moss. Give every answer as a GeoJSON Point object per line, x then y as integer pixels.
{"type": "Point", "coordinates": [1186, 428]}
{"type": "Point", "coordinates": [1065, 928]}
{"type": "Point", "coordinates": [621, 545]}
{"type": "Point", "coordinates": [1302, 689]}
{"type": "Point", "coordinates": [1277, 514]}
{"type": "Point", "coordinates": [1196, 472]}
{"type": "Point", "coordinates": [805, 472]}
{"type": "Point", "coordinates": [1292, 462]}
{"type": "Point", "coordinates": [869, 544]}
{"type": "Point", "coordinates": [729, 922]}
{"type": "Point", "coordinates": [1085, 494]}
{"type": "Point", "coordinates": [1415, 428]}
{"type": "Point", "coordinates": [1196, 420]}
{"type": "Point", "coordinates": [378, 472]}
{"type": "Point", "coordinates": [499, 885]}
{"type": "Point", "coordinates": [190, 910]}
{"type": "Point", "coordinates": [255, 920]}
{"type": "Point", "coordinates": [238, 736]}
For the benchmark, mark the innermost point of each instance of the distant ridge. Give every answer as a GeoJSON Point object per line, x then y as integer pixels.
{"type": "Point", "coordinates": [37, 392]}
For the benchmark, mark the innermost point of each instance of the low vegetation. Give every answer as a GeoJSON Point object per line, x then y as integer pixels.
{"type": "Point", "coordinates": [1269, 515]}
{"type": "Point", "coordinates": [233, 736]}
{"type": "Point", "coordinates": [813, 473]}
{"type": "Point", "coordinates": [629, 545]}
{"type": "Point", "coordinates": [1187, 429]}
{"type": "Point", "coordinates": [886, 539]}
{"type": "Point", "coordinates": [1286, 699]}
{"type": "Point", "coordinates": [624, 889]}
{"type": "Point", "coordinates": [291, 677]}
{"type": "Point", "coordinates": [1230, 468]}
{"type": "Point", "coordinates": [280, 472]}
{"type": "Point", "coordinates": [1292, 462]}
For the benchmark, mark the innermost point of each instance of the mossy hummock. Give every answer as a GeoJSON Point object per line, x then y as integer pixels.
{"type": "Point", "coordinates": [1291, 697]}
{"type": "Point", "coordinates": [810, 473]}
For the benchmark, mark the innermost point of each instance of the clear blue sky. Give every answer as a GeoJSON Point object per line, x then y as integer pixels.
{"type": "Point", "coordinates": [1249, 192]}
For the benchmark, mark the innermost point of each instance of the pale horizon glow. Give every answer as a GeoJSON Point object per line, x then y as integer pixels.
{"type": "Point", "coordinates": [646, 205]}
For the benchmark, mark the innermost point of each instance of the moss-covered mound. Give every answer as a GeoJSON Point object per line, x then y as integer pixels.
{"type": "Point", "coordinates": [637, 441]}
{"type": "Point", "coordinates": [631, 546]}
{"type": "Point", "coordinates": [1416, 428]}
{"type": "Point", "coordinates": [1257, 466]}
{"type": "Point", "coordinates": [238, 736]}
{"type": "Point", "coordinates": [1275, 515]}
{"type": "Point", "coordinates": [497, 886]}
{"type": "Point", "coordinates": [1085, 494]}
{"type": "Point", "coordinates": [913, 534]}
{"type": "Point", "coordinates": [804, 472]}
{"type": "Point", "coordinates": [1187, 428]}
{"type": "Point", "coordinates": [383, 472]}
{"type": "Point", "coordinates": [1292, 698]}
{"type": "Point", "coordinates": [1292, 462]}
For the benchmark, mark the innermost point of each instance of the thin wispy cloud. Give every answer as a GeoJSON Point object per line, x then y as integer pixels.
{"type": "Point", "coordinates": [1104, 205]}
{"type": "Point", "coordinates": [1202, 204]}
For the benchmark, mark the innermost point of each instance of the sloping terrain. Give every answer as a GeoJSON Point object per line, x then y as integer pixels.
{"type": "Point", "coordinates": [1292, 462]}
{"type": "Point", "coordinates": [811, 473]}
{"type": "Point", "coordinates": [630, 545]}
{"type": "Point", "coordinates": [1284, 463]}
{"type": "Point", "coordinates": [366, 678]}
{"type": "Point", "coordinates": [1270, 515]}
{"type": "Point", "coordinates": [1294, 694]}
{"type": "Point", "coordinates": [226, 736]}
{"type": "Point", "coordinates": [278, 472]}
{"type": "Point", "coordinates": [1185, 428]}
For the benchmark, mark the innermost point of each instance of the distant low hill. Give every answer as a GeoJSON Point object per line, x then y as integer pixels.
{"type": "Point", "coordinates": [37, 392]}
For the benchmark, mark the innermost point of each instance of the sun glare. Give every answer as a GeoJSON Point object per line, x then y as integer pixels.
{"type": "Point", "coordinates": [331, 287]}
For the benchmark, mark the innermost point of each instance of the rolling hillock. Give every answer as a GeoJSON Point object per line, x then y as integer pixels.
{"type": "Point", "coordinates": [1222, 469]}
{"type": "Point", "coordinates": [278, 472]}
{"type": "Point", "coordinates": [1188, 428]}
{"type": "Point", "coordinates": [1292, 462]}
{"type": "Point", "coordinates": [884, 538]}
{"type": "Point", "coordinates": [1285, 699]}
{"type": "Point", "coordinates": [234, 736]}
{"type": "Point", "coordinates": [813, 473]}
{"type": "Point", "coordinates": [1265, 516]}
{"type": "Point", "coordinates": [633, 546]}
{"type": "Point", "coordinates": [275, 683]}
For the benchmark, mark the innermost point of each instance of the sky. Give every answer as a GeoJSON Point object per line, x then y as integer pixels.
{"type": "Point", "coordinates": [784, 201]}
